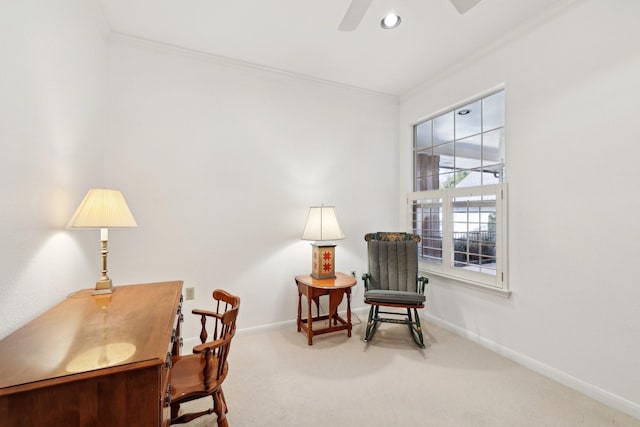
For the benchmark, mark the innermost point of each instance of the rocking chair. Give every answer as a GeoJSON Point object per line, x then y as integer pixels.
{"type": "Point", "coordinates": [393, 282]}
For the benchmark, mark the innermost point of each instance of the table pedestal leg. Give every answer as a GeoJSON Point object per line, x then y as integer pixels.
{"type": "Point", "coordinates": [309, 321]}
{"type": "Point", "coordinates": [299, 309]}
{"type": "Point", "coordinates": [349, 312]}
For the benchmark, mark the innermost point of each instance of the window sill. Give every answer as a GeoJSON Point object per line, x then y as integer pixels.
{"type": "Point", "coordinates": [481, 287]}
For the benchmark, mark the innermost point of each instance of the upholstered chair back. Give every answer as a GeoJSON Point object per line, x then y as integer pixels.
{"type": "Point", "coordinates": [393, 261]}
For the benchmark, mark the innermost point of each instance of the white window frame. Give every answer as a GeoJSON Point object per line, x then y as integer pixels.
{"type": "Point", "coordinates": [498, 283]}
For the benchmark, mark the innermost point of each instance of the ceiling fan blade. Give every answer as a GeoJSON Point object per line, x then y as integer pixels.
{"type": "Point", "coordinates": [353, 16]}
{"type": "Point", "coordinates": [463, 6]}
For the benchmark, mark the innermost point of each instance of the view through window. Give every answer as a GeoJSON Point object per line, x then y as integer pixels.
{"type": "Point", "coordinates": [459, 193]}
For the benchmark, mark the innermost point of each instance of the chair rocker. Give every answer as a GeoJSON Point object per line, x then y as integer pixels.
{"type": "Point", "coordinates": [393, 282]}
{"type": "Point", "coordinates": [201, 374]}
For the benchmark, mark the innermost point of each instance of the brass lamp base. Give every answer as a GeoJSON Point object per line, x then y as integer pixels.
{"type": "Point", "coordinates": [104, 286]}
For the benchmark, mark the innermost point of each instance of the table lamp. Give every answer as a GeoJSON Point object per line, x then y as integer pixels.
{"type": "Point", "coordinates": [322, 227]}
{"type": "Point", "coordinates": [103, 208]}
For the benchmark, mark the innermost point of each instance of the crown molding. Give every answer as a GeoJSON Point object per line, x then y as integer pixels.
{"type": "Point", "coordinates": [224, 61]}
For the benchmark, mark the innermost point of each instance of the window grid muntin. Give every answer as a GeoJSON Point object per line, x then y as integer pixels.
{"type": "Point", "coordinates": [421, 184]}
{"type": "Point", "coordinates": [473, 241]}
{"type": "Point", "coordinates": [428, 211]}
{"type": "Point", "coordinates": [484, 197]}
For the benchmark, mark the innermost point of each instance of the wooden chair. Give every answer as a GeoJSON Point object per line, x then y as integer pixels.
{"type": "Point", "coordinates": [201, 374]}
{"type": "Point", "coordinates": [392, 281]}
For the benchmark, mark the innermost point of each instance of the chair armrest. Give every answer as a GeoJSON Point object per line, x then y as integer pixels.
{"type": "Point", "coordinates": [206, 313]}
{"type": "Point", "coordinates": [422, 281]}
{"type": "Point", "coordinates": [365, 278]}
{"type": "Point", "coordinates": [200, 348]}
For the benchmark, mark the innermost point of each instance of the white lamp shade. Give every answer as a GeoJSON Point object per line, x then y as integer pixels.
{"type": "Point", "coordinates": [322, 224]}
{"type": "Point", "coordinates": [102, 208]}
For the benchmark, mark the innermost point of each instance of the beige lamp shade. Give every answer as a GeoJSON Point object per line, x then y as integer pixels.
{"type": "Point", "coordinates": [322, 224]}
{"type": "Point", "coordinates": [102, 208]}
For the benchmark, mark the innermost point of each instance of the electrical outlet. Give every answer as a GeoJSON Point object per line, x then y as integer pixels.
{"type": "Point", "coordinates": [191, 293]}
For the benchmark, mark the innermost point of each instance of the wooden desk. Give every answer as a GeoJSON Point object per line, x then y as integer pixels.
{"type": "Point", "coordinates": [313, 289]}
{"type": "Point", "coordinates": [93, 360]}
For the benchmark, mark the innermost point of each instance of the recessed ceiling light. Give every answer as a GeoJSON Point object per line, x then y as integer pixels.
{"type": "Point", "coordinates": [464, 112]}
{"type": "Point", "coordinates": [390, 21]}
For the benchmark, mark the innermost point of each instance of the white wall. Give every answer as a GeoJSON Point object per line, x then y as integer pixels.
{"type": "Point", "coordinates": [573, 147]}
{"type": "Point", "coordinates": [220, 162]}
{"type": "Point", "coordinates": [52, 81]}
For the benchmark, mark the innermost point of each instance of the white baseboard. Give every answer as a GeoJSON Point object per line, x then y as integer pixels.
{"type": "Point", "coordinates": [577, 384]}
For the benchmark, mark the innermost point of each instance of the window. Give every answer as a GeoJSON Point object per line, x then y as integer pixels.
{"type": "Point", "coordinates": [459, 201]}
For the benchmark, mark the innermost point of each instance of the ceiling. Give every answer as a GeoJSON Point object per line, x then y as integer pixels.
{"type": "Point", "coordinates": [301, 36]}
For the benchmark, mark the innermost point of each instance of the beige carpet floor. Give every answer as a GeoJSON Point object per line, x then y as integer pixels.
{"type": "Point", "coordinates": [276, 379]}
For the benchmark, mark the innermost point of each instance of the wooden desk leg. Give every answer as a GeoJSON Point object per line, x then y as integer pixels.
{"type": "Point", "coordinates": [309, 318]}
{"type": "Point", "coordinates": [349, 312]}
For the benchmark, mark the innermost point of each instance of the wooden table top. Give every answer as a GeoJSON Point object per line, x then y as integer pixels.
{"type": "Point", "coordinates": [85, 334]}
{"type": "Point", "coordinates": [342, 280]}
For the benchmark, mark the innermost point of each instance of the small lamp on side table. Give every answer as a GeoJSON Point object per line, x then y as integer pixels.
{"type": "Point", "coordinates": [103, 208]}
{"type": "Point", "coordinates": [322, 227]}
